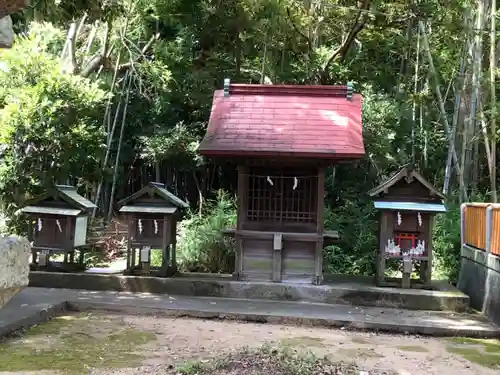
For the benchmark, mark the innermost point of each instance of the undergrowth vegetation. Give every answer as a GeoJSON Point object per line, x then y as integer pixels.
{"type": "Point", "coordinates": [269, 360]}
{"type": "Point", "coordinates": [201, 245]}
{"type": "Point", "coordinates": [203, 248]}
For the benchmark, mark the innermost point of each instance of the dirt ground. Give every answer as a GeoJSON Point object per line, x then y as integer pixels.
{"type": "Point", "coordinates": [107, 344]}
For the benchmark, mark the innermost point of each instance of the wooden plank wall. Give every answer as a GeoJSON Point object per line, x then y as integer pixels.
{"type": "Point", "coordinates": [298, 263]}
{"type": "Point", "coordinates": [257, 259]}
{"type": "Point", "coordinates": [481, 226]}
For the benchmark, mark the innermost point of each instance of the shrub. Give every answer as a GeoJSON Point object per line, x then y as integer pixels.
{"type": "Point", "coordinates": [201, 245]}
{"type": "Point", "coordinates": [446, 244]}
{"type": "Point", "coordinates": [354, 253]}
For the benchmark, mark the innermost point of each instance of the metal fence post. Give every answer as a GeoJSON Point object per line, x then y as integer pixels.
{"type": "Point", "coordinates": [463, 208]}
{"type": "Point", "coordinates": [489, 227]}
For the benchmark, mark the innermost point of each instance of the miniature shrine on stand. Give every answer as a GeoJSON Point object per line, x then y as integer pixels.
{"type": "Point", "coordinates": [281, 138]}
{"type": "Point", "coordinates": [407, 204]}
{"type": "Point", "coordinates": [58, 222]}
{"type": "Point", "coordinates": [152, 214]}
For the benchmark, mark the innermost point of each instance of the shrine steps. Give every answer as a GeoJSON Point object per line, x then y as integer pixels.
{"type": "Point", "coordinates": [35, 305]}
{"type": "Point", "coordinates": [337, 290]}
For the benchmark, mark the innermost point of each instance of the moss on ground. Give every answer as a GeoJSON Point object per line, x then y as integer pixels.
{"type": "Point", "coordinates": [73, 344]}
{"type": "Point", "coordinates": [484, 352]}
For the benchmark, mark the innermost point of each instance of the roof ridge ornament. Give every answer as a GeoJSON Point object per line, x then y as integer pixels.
{"type": "Point", "coordinates": [350, 90]}
{"type": "Point", "coordinates": [227, 83]}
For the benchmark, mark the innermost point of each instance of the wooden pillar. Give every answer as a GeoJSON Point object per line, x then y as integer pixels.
{"type": "Point", "coordinates": [241, 217]}
{"type": "Point", "coordinates": [30, 239]}
{"type": "Point", "coordinates": [320, 228]}
{"type": "Point", "coordinates": [70, 240]}
{"type": "Point", "coordinates": [383, 237]}
{"type": "Point", "coordinates": [428, 267]}
{"type": "Point", "coordinates": [277, 254]}
{"type": "Point", "coordinates": [173, 243]}
{"type": "Point", "coordinates": [130, 232]}
{"type": "Point", "coordinates": [165, 259]}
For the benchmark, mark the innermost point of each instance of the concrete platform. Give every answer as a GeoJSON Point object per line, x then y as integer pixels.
{"type": "Point", "coordinates": [480, 278]}
{"type": "Point", "coordinates": [35, 305]}
{"type": "Point", "coordinates": [337, 290]}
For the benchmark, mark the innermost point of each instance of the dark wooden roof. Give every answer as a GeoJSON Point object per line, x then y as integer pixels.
{"type": "Point", "coordinates": [407, 174]}
{"type": "Point", "coordinates": [152, 189]}
{"type": "Point", "coordinates": [285, 120]}
{"type": "Point", "coordinates": [60, 193]}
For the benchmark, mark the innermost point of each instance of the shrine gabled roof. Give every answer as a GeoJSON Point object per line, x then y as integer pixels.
{"type": "Point", "coordinates": [65, 193]}
{"type": "Point", "coordinates": [285, 120]}
{"type": "Point", "coordinates": [407, 174]}
{"type": "Point", "coordinates": [155, 188]}
{"type": "Point", "coordinates": [410, 206]}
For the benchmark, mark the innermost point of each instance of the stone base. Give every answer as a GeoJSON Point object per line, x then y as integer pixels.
{"type": "Point", "coordinates": [338, 291]}
{"type": "Point", "coordinates": [7, 294]}
{"type": "Point", "coordinates": [6, 32]}
{"type": "Point", "coordinates": [480, 279]}
{"type": "Point", "coordinates": [15, 255]}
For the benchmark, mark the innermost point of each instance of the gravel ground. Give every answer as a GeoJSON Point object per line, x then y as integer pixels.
{"type": "Point", "coordinates": [181, 340]}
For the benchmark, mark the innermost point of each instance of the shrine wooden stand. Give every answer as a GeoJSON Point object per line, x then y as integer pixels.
{"type": "Point", "coordinates": [152, 214]}
{"type": "Point", "coordinates": [58, 222]}
{"type": "Point", "coordinates": [407, 205]}
{"type": "Point", "coordinates": [281, 139]}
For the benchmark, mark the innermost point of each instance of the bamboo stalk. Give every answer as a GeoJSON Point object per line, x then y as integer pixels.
{"type": "Point", "coordinates": [493, 67]}
{"type": "Point", "coordinates": [120, 141]}
{"type": "Point", "coordinates": [458, 98]}
{"type": "Point", "coordinates": [476, 87]}
{"type": "Point", "coordinates": [108, 142]}
{"type": "Point", "coordinates": [451, 144]}
{"type": "Point", "coordinates": [415, 91]}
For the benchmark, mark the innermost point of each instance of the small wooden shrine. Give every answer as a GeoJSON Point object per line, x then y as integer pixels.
{"type": "Point", "coordinates": [407, 204]}
{"type": "Point", "coordinates": [58, 221]}
{"type": "Point", "coordinates": [152, 214]}
{"type": "Point", "coordinates": [281, 138]}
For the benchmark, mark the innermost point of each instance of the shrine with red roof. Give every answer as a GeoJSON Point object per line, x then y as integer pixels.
{"type": "Point", "coordinates": [281, 138]}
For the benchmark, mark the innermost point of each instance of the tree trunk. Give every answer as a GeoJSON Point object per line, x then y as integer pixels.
{"type": "Point", "coordinates": [493, 67]}
{"type": "Point", "coordinates": [118, 151]}
{"type": "Point", "coordinates": [471, 129]}
{"type": "Point", "coordinates": [451, 144]}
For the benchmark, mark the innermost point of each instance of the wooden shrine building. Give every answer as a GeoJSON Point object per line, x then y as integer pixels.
{"type": "Point", "coordinates": [58, 221]}
{"type": "Point", "coordinates": [282, 137]}
{"type": "Point", "coordinates": [407, 203]}
{"type": "Point", "coordinates": [152, 214]}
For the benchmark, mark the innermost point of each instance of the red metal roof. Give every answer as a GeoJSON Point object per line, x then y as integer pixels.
{"type": "Point", "coordinates": [285, 120]}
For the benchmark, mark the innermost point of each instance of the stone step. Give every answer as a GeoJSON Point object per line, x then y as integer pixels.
{"type": "Point", "coordinates": [39, 303]}
{"type": "Point", "coordinates": [342, 291]}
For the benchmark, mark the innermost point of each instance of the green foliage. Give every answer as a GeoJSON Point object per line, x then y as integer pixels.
{"type": "Point", "coordinates": [201, 245]}
{"type": "Point", "coordinates": [446, 243]}
{"type": "Point", "coordinates": [51, 124]}
{"type": "Point", "coordinates": [174, 145]}
{"type": "Point", "coordinates": [355, 251]}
